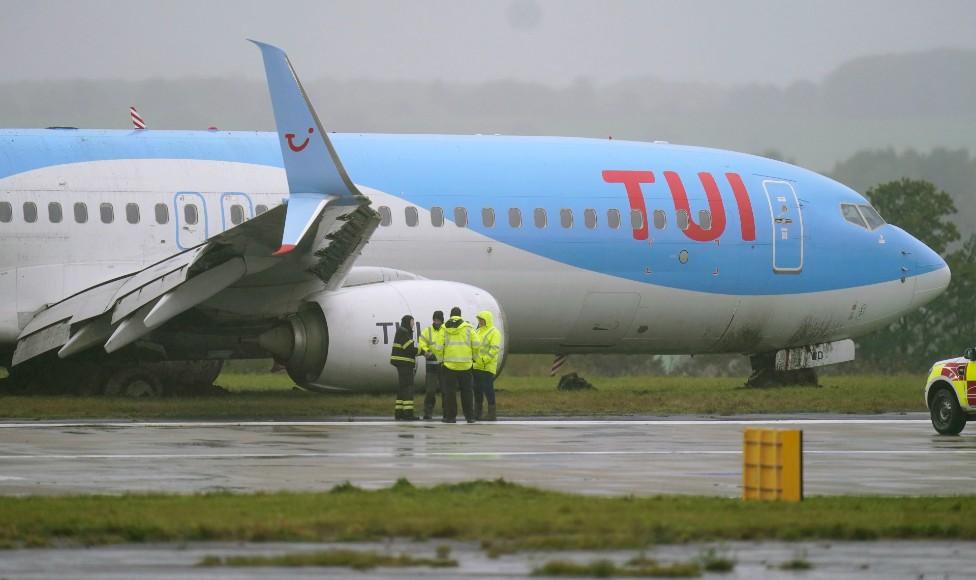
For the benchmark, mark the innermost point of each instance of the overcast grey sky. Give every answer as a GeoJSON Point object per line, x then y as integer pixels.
{"type": "Point", "coordinates": [551, 41]}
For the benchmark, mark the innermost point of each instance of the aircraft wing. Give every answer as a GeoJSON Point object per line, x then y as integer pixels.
{"type": "Point", "coordinates": [311, 241]}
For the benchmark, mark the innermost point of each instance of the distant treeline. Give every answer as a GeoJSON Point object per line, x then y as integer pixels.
{"type": "Point", "coordinates": [918, 101]}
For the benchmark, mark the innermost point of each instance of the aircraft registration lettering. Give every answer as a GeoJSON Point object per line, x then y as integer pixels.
{"type": "Point", "coordinates": [632, 181]}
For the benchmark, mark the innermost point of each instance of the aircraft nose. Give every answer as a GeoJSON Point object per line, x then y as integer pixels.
{"type": "Point", "coordinates": [934, 275]}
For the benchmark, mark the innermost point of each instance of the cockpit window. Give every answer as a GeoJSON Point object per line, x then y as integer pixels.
{"type": "Point", "coordinates": [851, 214]}
{"type": "Point", "coordinates": [871, 216]}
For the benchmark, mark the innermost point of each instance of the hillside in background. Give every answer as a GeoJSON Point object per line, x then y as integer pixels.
{"type": "Point", "coordinates": [919, 101]}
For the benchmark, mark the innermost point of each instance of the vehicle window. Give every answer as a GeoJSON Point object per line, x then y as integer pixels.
{"type": "Point", "coordinates": [437, 216]}
{"type": "Point", "coordinates": [613, 218]}
{"type": "Point", "coordinates": [54, 212]}
{"type": "Point", "coordinates": [81, 213]}
{"type": "Point", "coordinates": [871, 216]}
{"type": "Point", "coordinates": [461, 217]}
{"type": "Point", "coordinates": [107, 213]}
{"type": "Point", "coordinates": [488, 217]}
{"type": "Point", "coordinates": [682, 219]}
{"type": "Point", "coordinates": [850, 213]}
{"type": "Point", "coordinates": [132, 213]}
{"type": "Point", "coordinates": [589, 218]}
{"type": "Point", "coordinates": [190, 214]}
{"type": "Point", "coordinates": [515, 217]}
{"type": "Point", "coordinates": [566, 217]}
{"type": "Point", "coordinates": [539, 217]}
{"type": "Point", "coordinates": [237, 214]}
{"type": "Point", "coordinates": [30, 212]}
{"type": "Point", "coordinates": [260, 209]}
{"type": "Point", "coordinates": [660, 219]}
{"type": "Point", "coordinates": [636, 219]}
{"type": "Point", "coordinates": [705, 219]}
{"type": "Point", "coordinates": [386, 216]}
{"type": "Point", "coordinates": [6, 212]}
{"type": "Point", "coordinates": [162, 213]}
{"type": "Point", "coordinates": [412, 216]}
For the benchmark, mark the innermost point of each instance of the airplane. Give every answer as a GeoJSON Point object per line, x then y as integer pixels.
{"type": "Point", "coordinates": [134, 261]}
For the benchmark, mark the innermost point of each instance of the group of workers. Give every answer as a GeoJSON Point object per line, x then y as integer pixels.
{"type": "Point", "coordinates": [459, 357]}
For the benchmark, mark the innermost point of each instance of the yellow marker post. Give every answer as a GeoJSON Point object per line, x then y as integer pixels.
{"type": "Point", "coordinates": [772, 465]}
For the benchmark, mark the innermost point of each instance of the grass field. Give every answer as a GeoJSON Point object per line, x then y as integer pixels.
{"type": "Point", "coordinates": [502, 516]}
{"type": "Point", "coordinates": [268, 396]}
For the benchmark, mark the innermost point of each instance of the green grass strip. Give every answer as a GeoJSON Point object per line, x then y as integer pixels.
{"type": "Point", "coordinates": [503, 516]}
{"type": "Point", "coordinates": [258, 396]}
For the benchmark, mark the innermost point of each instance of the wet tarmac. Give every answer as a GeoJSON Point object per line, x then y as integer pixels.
{"type": "Point", "coordinates": [882, 454]}
{"type": "Point", "coordinates": [867, 560]}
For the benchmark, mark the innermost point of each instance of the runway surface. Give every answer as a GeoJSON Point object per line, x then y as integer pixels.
{"type": "Point", "coordinates": [885, 455]}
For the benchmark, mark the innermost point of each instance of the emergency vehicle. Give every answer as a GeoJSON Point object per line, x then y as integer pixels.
{"type": "Point", "coordinates": [950, 393]}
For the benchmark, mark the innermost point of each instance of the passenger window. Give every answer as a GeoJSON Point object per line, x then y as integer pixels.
{"type": "Point", "coordinates": [636, 219]}
{"type": "Point", "coordinates": [190, 214]}
{"type": "Point", "coordinates": [237, 214]}
{"type": "Point", "coordinates": [107, 213]}
{"type": "Point", "coordinates": [515, 217]}
{"type": "Point", "coordinates": [81, 213]}
{"type": "Point", "coordinates": [30, 212]}
{"type": "Point", "coordinates": [162, 213]}
{"type": "Point", "coordinates": [6, 212]}
{"type": "Point", "coordinates": [539, 217]}
{"type": "Point", "coordinates": [660, 219]}
{"type": "Point", "coordinates": [260, 209]}
{"type": "Point", "coordinates": [705, 219]}
{"type": "Point", "coordinates": [386, 216]}
{"type": "Point", "coordinates": [437, 216]}
{"type": "Point", "coordinates": [54, 212]}
{"type": "Point", "coordinates": [613, 219]}
{"type": "Point", "coordinates": [871, 216]}
{"type": "Point", "coordinates": [412, 216]}
{"type": "Point", "coordinates": [851, 214]}
{"type": "Point", "coordinates": [488, 217]}
{"type": "Point", "coordinates": [682, 219]}
{"type": "Point", "coordinates": [566, 218]}
{"type": "Point", "coordinates": [589, 218]}
{"type": "Point", "coordinates": [461, 217]}
{"type": "Point", "coordinates": [132, 213]}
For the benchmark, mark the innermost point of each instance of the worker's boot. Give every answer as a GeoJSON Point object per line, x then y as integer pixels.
{"type": "Point", "coordinates": [490, 415]}
{"type": "Point", "coordinates": [477, 409]}
{"type": "Point", "coordinates": [428, 412]}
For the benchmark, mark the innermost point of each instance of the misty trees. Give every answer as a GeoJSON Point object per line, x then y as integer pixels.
{"type": "Point", "coordinates": [946, 326]}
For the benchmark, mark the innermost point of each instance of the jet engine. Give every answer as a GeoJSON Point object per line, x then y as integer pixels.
{"type": "Point", "coordinates": [340, 340]}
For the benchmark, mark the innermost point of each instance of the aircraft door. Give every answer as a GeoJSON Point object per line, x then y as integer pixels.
{"type": "Point", "coordinates": [191, 219]}
{"type": "Point", "coordinates": [234, 209]}
{"type": "Point", "coordinates": [784, 210]}
{"type": "Point", "coordinates": [603, 319]}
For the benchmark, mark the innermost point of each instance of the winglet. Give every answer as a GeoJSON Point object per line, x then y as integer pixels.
{"type": "Point", "coordinates": [315, 174]}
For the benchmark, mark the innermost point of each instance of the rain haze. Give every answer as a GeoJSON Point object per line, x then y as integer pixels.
{"type": "Point", "coordinates": [812, 82]}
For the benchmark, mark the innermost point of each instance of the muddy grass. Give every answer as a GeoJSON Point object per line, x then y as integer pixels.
{"type": "Point", "coordinates": [267, 396]}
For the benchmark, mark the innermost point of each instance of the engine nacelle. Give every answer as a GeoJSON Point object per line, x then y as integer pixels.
{"type": "Point", "coordinates": [341, 340]}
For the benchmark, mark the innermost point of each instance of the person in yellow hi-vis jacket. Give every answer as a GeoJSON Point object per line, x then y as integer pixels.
{"type": "Point", "coordinates": [486, 365]}
{"type": "Point", "coordinates": [432, 346]}
{"type": "Point", "coordinates": [460, 349]}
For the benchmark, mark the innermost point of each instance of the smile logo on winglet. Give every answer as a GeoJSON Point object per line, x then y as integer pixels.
{"type": "Point", "coordinates": [290, 137]}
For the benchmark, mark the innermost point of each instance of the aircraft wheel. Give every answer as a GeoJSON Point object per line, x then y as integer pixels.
{"type": "Point", "coordinates": [133, 382]}
{"type": "Point", "coordinates": [947, 416]}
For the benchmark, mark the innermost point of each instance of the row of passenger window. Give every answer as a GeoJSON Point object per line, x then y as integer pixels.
{"type": "Point", "coordinates": [106, 213]}
{"type": "Point", "coordinates": [540, 218]}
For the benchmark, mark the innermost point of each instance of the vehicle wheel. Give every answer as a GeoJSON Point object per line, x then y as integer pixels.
{"type": "Point", "coordinates": [133, 382]}
{"type": "Point", "coordinates": [947, 417]}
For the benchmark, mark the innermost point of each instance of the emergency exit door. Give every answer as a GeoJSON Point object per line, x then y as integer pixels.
{"type": "Point", "coordinates": [787, 218]}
